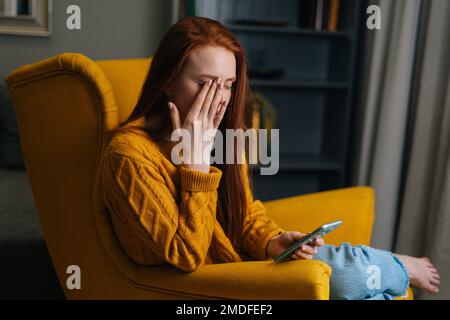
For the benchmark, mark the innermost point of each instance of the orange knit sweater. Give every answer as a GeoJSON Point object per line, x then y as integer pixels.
{"type": "Point", "coordinates": [164, 213]}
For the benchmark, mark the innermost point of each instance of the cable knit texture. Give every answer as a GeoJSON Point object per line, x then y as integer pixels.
{"type": "Point", "coordinates": [165, 213]}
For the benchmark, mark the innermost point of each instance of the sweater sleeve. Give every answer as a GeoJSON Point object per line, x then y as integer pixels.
{"type": "Point", "coordinates": [258, 227]}
{"type": "Point", "coordinates": [179, 233]}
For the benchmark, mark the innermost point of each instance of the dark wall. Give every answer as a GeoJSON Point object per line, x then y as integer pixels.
{"type": "Point", "coordinates": [109, 29]}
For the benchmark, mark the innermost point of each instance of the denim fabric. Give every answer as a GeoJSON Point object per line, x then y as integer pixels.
{"type": "Point", "coordinates": [362, 272]}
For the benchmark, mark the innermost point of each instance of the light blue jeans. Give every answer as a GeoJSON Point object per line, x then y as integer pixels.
{"type": "Point", "coordinates": [362, 272]}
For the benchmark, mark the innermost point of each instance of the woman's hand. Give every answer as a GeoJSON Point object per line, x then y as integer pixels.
{"type": "Point", "coordinates": [281, 242]}
{"type": "Point", "coordinates": [205, 114]}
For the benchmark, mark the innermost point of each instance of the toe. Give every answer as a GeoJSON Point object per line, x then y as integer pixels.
{"type": "Point", "coordinates": [435, 282]}
{"type": "Point", "coordinates": [435, 273]}
{"type": "Point", "coordinates": [435, 290]}
{"type": "Point", "coordinates": [432, 288]}
{"type": "Point", "coordinates": [436, 276]}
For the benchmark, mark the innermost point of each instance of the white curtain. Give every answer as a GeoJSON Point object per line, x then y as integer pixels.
{"type": "Point", "coordinates": [424, 228]}
{"type": "Point", "coordinates": [404, 146]}
{"type": "Point", "coordinates": [389, 62]}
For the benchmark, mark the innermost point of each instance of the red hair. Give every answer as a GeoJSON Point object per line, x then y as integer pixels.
{"type": "Point", "coordinates": [182, 38]}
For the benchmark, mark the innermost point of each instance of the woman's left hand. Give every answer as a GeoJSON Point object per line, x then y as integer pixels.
{"type": "Point", "coordinates": [281, 242]}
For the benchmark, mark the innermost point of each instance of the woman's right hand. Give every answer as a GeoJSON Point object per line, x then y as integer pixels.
{"type": "Point", "coordinates": [206, 113]}
{"type": "Point", "coordinates": [280, 243]}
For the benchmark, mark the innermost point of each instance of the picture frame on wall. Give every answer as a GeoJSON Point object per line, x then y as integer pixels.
{"type": "Point", "coordinates": [26, 17]}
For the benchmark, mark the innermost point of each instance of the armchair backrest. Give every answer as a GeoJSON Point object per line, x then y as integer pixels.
{"type": "Point", "coordinates": [64, 105]}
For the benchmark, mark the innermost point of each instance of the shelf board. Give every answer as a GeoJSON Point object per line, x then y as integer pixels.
{"type": "Point", "coordinates": [304, 163]}
{"type": "Point", "coordinates": [282, 83]}
{"type": "Point", "coordinates": [289, 30]}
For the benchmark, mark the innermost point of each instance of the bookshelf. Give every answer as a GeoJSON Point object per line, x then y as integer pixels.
{"type": "Point", "coordinates": [313, 94]}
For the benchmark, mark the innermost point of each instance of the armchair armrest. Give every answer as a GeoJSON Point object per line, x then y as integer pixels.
{"type": "Point", "coordinates": [295, 279]}
{"type": "Point", "coordinates": [354, 206]}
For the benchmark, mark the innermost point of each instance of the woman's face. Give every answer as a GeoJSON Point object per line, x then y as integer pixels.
{"type": "Point", "coordinates": [203, 63]}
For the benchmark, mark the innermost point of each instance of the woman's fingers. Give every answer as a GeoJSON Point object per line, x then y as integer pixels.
{"type": "Point", "coordinates": [301, 255]}
{"type": "Point", "coordinates": [220, 113]}
{"type": "Point", "coordinates": [174, 115]}
{"type": "Point", "coordinates": [318, 241]}
{"type": "Point", "coordinates": [306, 252]}
{"type": "Point", "coordinates": [297, 235]}
{"type": "Point", "coordinates": [199, 99]}
{"type": "Point", "coordinates": [307, 249]}
{"type": "Point", "coordinates": [216, 102]}
{"type": "Point", "coordinates": [208, 100]}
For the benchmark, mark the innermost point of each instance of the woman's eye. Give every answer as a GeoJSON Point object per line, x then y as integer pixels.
{"type": "Point", "coordinates": [203, 82]}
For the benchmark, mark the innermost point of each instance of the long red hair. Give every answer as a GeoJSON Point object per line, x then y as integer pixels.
{"type": "Point", "coordinates": [183, 37]}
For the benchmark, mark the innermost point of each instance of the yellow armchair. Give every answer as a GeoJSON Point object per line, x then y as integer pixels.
{"type": "Point", "coordinates": [64, 105]}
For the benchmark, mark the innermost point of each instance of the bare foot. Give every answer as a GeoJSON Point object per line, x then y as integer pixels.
{"type": "Point", "coordinates": [422, 273]}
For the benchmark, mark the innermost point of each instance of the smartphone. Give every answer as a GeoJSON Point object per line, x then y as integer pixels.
{"type": "Point", "coordinates": [321, 231]}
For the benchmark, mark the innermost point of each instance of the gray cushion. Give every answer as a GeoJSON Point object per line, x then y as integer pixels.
{"type": "Point", "coordinates": [25, 265]}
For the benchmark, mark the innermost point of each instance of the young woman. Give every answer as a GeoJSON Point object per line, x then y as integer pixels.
{"type": "Point", "coordinates": [191, 214]}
